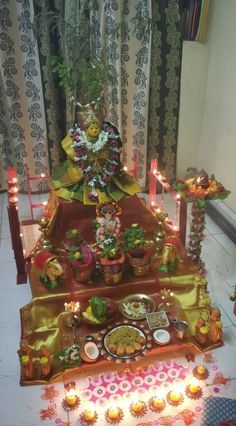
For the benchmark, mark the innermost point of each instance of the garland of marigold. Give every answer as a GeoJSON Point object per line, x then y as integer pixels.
{"type": "Point", "coordinates": [112, 165]}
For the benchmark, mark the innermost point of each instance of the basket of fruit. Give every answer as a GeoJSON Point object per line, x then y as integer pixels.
{"type": "Point", "coordinates": [99, 311]}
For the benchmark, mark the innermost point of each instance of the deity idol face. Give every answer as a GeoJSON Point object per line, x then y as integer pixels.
{"type": "Point", "coordinates": [93, 130]}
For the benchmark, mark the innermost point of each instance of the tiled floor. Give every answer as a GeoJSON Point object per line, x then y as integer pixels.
{"type": "Point", "coordinates": [22, 405]}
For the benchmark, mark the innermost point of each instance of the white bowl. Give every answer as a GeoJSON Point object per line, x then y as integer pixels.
{"type": "Point", "coordinates": [161, 337]}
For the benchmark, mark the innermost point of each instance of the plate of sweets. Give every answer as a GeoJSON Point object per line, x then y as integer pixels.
{"type": "Point", "coordinates": [124, 342]}
{"type": "Point", "coordinates": [137, 306]}
{"type": "Point", "coordinates": [99, 311]}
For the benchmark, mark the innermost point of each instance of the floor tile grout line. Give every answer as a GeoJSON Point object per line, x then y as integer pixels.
{"type": "Point", "coordinates": [218, 242]}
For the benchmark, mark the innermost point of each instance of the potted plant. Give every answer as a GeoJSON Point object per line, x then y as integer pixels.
{"type": "Point", "coordinates": [134, 245]}
{"type": "Point", "coordinates": [111, 260]}
{"type": "Point", "coordinates": [78, 255]}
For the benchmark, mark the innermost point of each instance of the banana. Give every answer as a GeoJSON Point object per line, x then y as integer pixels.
{"type": "Point", "coordinates": [90, 318]}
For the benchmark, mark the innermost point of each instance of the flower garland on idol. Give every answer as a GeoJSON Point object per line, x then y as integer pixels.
{"type": "Point", "coordinates": [82, 144]}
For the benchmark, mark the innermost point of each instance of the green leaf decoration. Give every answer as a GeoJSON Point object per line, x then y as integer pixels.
{"type": "Point", "coordinates": [98, 307]}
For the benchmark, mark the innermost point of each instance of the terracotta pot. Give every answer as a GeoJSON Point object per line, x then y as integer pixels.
{"type": "Point", "coordinates": [140, 261]}
{"type": "Point", "coordinates": [112, 270]}
{"type": "Point", "coordinates": [82, 271]}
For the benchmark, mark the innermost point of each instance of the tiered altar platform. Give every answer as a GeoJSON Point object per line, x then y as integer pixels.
{"type": "Point", "coordinates": [41, 319]}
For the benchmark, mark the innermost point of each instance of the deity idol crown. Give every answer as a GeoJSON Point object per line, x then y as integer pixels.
{"type": "Point", "coordinates": [90, 114]}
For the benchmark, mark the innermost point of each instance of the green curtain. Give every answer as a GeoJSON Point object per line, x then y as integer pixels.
{"type": "Point", "coordinates": [166, 56]}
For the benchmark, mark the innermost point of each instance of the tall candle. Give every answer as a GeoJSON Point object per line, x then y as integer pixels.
{"type": "Point", "coordinates": [11, 175]}
{"type": "Point", "coordinates": [153, 182]}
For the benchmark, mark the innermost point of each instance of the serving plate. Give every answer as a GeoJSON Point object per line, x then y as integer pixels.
{"type": "Point", "coordinates": [137, 306]}
{"type": "Point", "coordinates": [124, 342]}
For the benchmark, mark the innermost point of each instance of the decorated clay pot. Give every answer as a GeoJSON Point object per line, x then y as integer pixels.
{"type": "Point", "coordinates": [82, 271]}
{"type": "Point", "coordinates": [112, 269]}
{"type": "Point", "coordinates": [140, 261]}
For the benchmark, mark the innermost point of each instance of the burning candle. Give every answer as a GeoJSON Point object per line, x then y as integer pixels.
{"type": "Point", "coordinates": [11, 175]}
{"type": "Point", "coordinates": [72, 306]}
{"type": "Point", "coordinates": [152, 181]}
{"type": "Point", "coordinates": [71, 398]}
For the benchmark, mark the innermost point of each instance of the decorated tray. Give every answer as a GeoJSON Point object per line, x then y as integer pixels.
{"type": "Point", "coordinates": [124, 342]}
{"type": "Point", "coordinates": [137, 306]}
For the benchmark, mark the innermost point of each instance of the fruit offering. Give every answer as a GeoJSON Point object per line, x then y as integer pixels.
{"type": "Point", "coordinates": [99, 310]}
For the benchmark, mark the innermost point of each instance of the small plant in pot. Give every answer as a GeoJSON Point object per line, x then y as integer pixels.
{"type": "Point", "coordinates": [111, 260]}
{"type": "Point", "coordinates": [79, 256]}
{"type": "Point", "coordinates": [134, 245]}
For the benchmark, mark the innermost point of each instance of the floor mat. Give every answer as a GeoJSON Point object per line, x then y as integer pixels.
{"type": "Point", "coordinates": [217, 410]}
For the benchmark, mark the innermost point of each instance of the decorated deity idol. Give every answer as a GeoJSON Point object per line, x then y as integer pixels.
{"type": "Point", "coordinates": [170, 253]}
{"type": "Point", "coordinates": [107, 221]}
{"type": "Point", "coordinates": [93, 172]}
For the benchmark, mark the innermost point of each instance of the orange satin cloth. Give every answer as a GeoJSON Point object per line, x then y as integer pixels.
{"type": "Point", "coordinates": [42, 319]}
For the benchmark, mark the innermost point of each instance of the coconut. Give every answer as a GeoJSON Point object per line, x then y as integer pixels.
{"type": "Point", "coordinates": [89, 352]}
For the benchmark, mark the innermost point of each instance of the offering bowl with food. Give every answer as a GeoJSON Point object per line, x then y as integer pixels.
{"type": "Point", "coordinates": [99, 310]}
{"type": "Point", "coordinates": [137, 306]}
{"type": "Point", "coordinates": [125, 341]}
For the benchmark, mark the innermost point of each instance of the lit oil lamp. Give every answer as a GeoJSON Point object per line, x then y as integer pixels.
{"type": "Point", "coordinates": [114, 415]}
{"type": "Point", "coordinates": [71, 401]}
{"type": "Point", "coordinates": [174, 398]}
{"type": "Point", "coordinates": [201, 369]}
{"type": "Point", "coordinates": [88, 417]}
{"type": "Point", "coordinates": [138, 408]}
{"type": "Point", "coordinates": [200, 372]}
{"type": "Point", "coordinates": [157, 404]}
{"type": "Point", "coordinates": [193, 391]}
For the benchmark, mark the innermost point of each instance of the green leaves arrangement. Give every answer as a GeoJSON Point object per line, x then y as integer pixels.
{"type": "Point", "coordinates": [110, 247]}
{"type": "Point", "coordinates": [80, 68]}
{"type": "Point", "coordinates": [133, 237]}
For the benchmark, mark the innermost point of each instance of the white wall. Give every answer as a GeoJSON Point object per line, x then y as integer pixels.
{"type": "Point", "coordinates": [192, 101]}
{"type": "Point", "coordinates": [207, 128]}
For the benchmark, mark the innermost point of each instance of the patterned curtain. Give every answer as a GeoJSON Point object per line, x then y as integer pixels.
{"type": "Point", "coordinates": [23, 136]}
{"type": "Point", "coordinates": [142, 97]}
{"type": "Point", "coordinates": [121, 31]}
{"type": "Point", "coordinates": [59, 112]}
{"type": "Point", "coordinates": [165, 85]}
